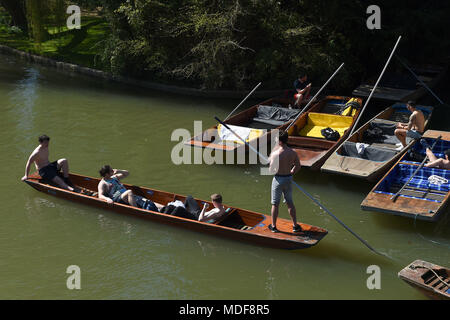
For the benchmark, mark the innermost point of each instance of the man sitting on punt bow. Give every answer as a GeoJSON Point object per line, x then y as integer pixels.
{"type": "Point", "coordinates": [302, 89]}
{"type": "Point", "coordinates": [49, 171]}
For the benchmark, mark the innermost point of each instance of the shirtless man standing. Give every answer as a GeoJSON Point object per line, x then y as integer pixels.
{"type": "Point", "coordinates": [413, 129]}
{"type": "Point", "coordinates": [48, 171]}
{"type": "Point", "coordinates": [284, 163]}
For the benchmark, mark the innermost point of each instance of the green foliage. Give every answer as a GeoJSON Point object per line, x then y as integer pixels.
{"type": "Point", "coordinates": [224, 44]}
{"type": "Point", "coordinates": [234, 44]}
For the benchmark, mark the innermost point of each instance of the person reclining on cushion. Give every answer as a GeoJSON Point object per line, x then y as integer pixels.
{"type": "Point", "coordinates": [413, 129]}
{"type": "Point", "coordinates": [49, 170]}
{"type": "Point", "coordinates": [111, 190]}
{"type": "Point", "coordinates": [435, 162]}
{"type": "Point", "coordinates": [190, 209]}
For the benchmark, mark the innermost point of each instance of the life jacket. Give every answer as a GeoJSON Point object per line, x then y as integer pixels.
{"type": "Point", "coordinates": [350, 107]}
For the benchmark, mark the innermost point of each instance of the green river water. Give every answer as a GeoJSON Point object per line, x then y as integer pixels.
{"type": "Point", "coordinates": [120, 257]}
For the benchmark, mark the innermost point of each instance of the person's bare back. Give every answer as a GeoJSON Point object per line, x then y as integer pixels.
{"type": "Point", "coordinates": [40, 157]}
{"type": "Point", "coordinates": [287, 161]}
{"type": "Point", "coordinates": [417, 121]}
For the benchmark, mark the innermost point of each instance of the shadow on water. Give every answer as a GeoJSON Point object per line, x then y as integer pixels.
{"type": "Point", "coordinates": [403, 224]}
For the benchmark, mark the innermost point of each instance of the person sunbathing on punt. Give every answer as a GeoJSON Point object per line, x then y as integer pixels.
{"type": "Point", "coordinates": [435, 162]}
{"type": "Point", "coordinates": [49, 171]}
{"type": "Point", "coordinates": [111, 190]}
{"type": "Point", "coordinates": [191, 210]}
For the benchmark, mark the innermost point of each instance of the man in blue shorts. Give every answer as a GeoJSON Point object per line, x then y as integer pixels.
{"type": "Point", "coordinates": [285, 162]}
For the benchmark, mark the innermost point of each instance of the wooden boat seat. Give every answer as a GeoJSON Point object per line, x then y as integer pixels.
{"type": "Point", "coordinates": [424, 194]}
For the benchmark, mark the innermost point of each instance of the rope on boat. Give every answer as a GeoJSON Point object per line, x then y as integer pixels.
{"type": "Point", "coordinates": [413, 267]}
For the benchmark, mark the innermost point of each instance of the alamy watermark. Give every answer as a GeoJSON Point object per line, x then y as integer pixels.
{"type": "Point", "coordinates": [74, 20]}
{"type": "Point", "coordinates": [74, 280]}
{"type": "Point", "coordinates": [374, 280]}
{"type": "Point", "coordinates": [374, 20]}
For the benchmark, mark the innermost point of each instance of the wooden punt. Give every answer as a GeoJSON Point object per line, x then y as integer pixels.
{"type": "Point", "coordinates": [430, 279]}
{"type": "Point", "coordinates": [210, 139]}
{"type": "Point", "coordinates": [238, 224]}
{"type": "Point", "coordinates": [403, 87]}
{"type": "Point", "coordinates": [419, 199]}
{"type": "Point", "coordinates": [378, 158]}
{"type": "Point", "coordinates": [314, 149]}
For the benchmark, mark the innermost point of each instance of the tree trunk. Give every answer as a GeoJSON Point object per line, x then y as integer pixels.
{"type": "Point", "coordinates": [16, 8]}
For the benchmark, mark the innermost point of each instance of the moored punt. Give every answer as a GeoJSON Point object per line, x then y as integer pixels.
{"type": "Point", "coordinates": [421, 198]}
{"type": "Point", "coordinates": [403, 87]}
{"type": "Point", "coordinates": [305, 136]}
{"type": "Point", "coordinates": [253, 124]}
{"type": "Point", "coordinates": [430, 279]}
{"type": "Point", "coordinates": [367, 157]}
{"type": "Point", "coordinates": [239, 224]}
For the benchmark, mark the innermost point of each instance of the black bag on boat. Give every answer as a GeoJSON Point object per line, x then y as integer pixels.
{"type": "Point", "coordinates": [415, 156]}
{"type": "Point", "coordinates": [330, 134]}
{"type": "Point", "coordinates": [146, 204]}
{"type": "Point", "coordinates": [372, 135]}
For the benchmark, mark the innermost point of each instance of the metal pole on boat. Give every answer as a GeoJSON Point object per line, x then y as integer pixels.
{"type": "Point", "coordinates": [375, 87]}
{"type": "Point", "coordinates": [251, 92]}
{"type": "Point", "coordinates": [394, 197]}
{"type": "Point", "coordinates": [417, 77]}
{"type": "Point", "coordinates": [303, 191]}
{"type": "Point", "coordinates": [315, 96]}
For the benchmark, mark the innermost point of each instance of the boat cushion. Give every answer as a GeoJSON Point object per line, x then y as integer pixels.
{"type": "Point", "coordinates": [318, 121]}
{"type": "Point", "coordinates": [245, 133]}
{"type": "Point", "coordinates": [439, 148]}
{"type": "Point", "coordinates": [350, 149]}
{"type": "Point", "coordinates": [274, 115]}
{"type": "Point", "coordinates": [388, 135]}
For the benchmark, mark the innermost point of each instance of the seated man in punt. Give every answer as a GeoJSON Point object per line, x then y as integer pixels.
{"type": "Point", "coordinates": [413, 129]}
{"type": "Point", "coordinates": [190, 209]}
{"type": "Point", "coordinates": [302, 89]}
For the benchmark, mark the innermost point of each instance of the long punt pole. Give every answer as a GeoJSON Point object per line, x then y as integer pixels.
{"type": "Point", "coordinates": [375, 87]}
{"type": "Point", "coordinates": [304, 192]}
{"type": "Point", "coordinates": [251, 92]}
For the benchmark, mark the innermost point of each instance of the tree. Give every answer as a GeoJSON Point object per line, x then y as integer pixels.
{"type": "Point", "coordinates": [17, 11]}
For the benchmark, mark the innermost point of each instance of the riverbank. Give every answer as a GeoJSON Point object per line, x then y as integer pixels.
{"type": "Point", "coordinates": [79, 51]}
{"type": "Point", "coordinates": [106, 76]}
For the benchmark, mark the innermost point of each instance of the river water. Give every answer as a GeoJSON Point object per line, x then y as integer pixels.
{"type": "Point", "coordinates": [92, 123]}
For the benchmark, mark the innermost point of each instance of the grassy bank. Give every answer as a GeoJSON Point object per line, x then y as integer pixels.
{"type": "Point", "coordinates": [80, 47]}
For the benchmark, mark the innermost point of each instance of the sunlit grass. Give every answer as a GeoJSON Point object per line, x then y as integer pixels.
{"type": "Point", "coordinates": [74, 46]}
